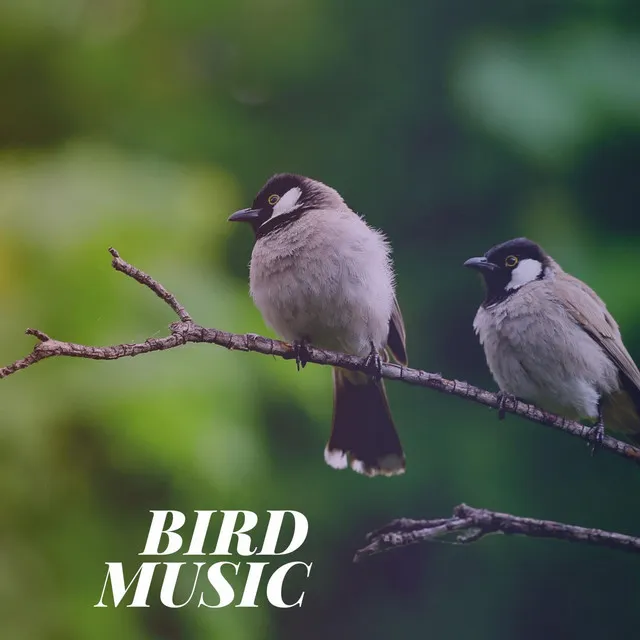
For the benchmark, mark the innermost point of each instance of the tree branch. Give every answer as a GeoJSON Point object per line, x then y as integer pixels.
{"type": "Point", "coordinates": [473, 524]}
{"type": "Point", "coordinates": [188, 331]}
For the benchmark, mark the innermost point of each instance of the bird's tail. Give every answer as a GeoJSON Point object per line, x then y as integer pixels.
{"type": "Point", "coordinates": [363, 434]}
{"type": "Point", "coordinates": [622, 414]}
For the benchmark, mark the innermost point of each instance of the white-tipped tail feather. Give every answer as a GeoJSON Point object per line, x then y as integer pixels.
{"type": "Point", "coordinates": [363, 435]}
{"type": "Point", "coordinates": [335, 458]}
{"type": "Point", "coordinates": [390, 465]}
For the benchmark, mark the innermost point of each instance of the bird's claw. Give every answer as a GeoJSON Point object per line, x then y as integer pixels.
{"type": "Point", "coordinates": [301, 353]}
{"type": "Point", "coordinates": [596, 433]}
{"type": "Point", "coordinates": [503, 398]}
{"type": "Point", "coordinates": [373, 364]}
{"type": "Point", "coordinates": [596, 436]}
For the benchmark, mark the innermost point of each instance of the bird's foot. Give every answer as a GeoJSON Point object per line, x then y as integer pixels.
{"type": "Point", "coordinates": [301, 352]}
{"type": "Point", "coordinates": [596, 436]}
{"type": "Point", "coordinates": [373, 363]}
{"type": "Point", "coordinates": [503, 398]}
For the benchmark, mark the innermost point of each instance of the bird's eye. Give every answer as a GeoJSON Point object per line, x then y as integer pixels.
{"type": "Point", "coordinates": [273, 199]}
{"type": "Point", "coordinates": [511, 261]}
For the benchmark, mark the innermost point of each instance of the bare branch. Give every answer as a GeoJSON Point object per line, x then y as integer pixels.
{"type": "Point", "coordinates": [473, 524]}
{"type": "Point", "coordinates": [124, 267]}
{"type": "Point", "coordinates": [188, 331]}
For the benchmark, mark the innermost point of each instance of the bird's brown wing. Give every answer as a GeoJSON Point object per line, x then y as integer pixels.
{"type": "Point", "coordinates": [592, 315]}
{"type": "Point", "coordinates": [397, 340]}
{"type": "Point", "coordinates": [586, 308]}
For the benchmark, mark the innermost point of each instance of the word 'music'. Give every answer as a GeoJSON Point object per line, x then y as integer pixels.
{"type": "Point", "coordinates": [180, 580]}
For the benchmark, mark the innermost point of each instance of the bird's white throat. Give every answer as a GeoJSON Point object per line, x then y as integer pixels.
{"type": "Point", "coordinates": [287, 203]}
{"type": "Point", "coordinates": [527, 271]}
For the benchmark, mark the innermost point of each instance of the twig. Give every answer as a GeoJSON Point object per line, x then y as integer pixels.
{"type": "Point", "coordinates": [188, 331]}
{"type": "Point", "coordinates": [124, 267]}
{"type": "Point", "coordinates": [473, 524]}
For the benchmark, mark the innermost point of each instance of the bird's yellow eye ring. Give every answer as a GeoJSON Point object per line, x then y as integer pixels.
{"type": "Point", "coordinates": [511, 261]}
{"type": "Point", "coordinates": [273, 199]}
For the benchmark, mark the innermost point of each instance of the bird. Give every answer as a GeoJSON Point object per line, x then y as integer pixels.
{"type": "Point", "coordinates": [549, 339]}
{"type": "Point", "coordinates": [321, 276]}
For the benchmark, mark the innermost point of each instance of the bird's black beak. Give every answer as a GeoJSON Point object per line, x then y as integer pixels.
{"type": "Point", "coordinates": [245, 215]}
{"type": "Point", "coordinates": [480, 264]}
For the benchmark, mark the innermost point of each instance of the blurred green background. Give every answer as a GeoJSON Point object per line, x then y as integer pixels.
{"type": "Point", "coordinates": [453, 125]}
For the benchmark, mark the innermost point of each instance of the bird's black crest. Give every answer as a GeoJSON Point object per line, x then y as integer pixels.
{"type": "Point", "coordinates": [278, 184]}
{"type": "Point", "coordinates": [522, 248]}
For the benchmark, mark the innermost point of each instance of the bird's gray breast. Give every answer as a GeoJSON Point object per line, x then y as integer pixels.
{"type": "Point", "coordinates": [536, 351]}
{"type": "Point", "coordinates": [325, 278]}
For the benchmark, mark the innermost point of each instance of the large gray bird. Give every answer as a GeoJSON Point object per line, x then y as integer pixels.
{"type": "Point", "coordinates": [321, 275]}
{"type": "Point", "coordinates": [549, 339]}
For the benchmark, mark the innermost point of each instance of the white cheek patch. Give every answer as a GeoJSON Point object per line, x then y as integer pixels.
{"type": "Point", "coordinates": [527, 271]}
{"type": "Point", "coordinates": [287, 203]}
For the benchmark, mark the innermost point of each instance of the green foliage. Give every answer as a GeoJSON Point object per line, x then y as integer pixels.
{"type": "Point", "coordinates": [453, 126]}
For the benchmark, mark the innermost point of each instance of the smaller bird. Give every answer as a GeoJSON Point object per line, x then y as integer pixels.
{"type": "Point", "coordinates": [549, 339]}
{"type": "Point", "coordinates": [321, 275]}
